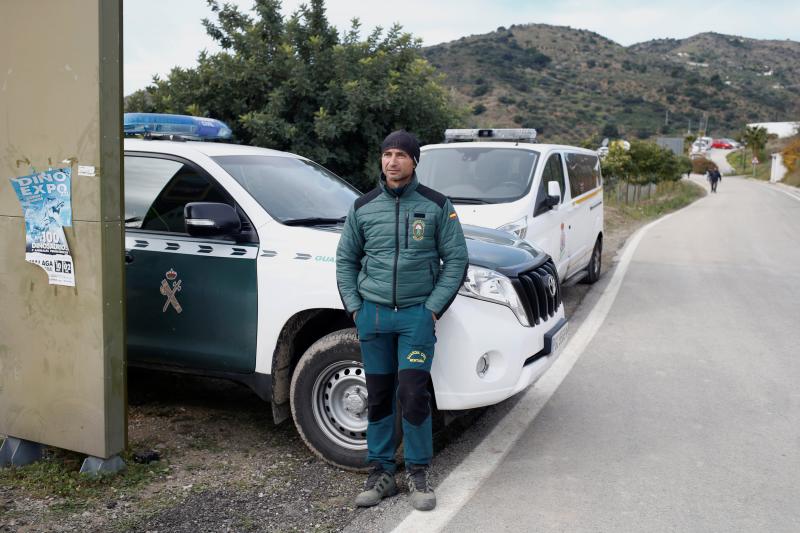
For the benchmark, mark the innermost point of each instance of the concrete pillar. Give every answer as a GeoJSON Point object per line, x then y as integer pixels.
{"type": "Point", "coordinates": [62, 349]}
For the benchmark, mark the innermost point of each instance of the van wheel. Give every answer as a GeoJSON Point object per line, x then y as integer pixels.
{"type": "Point", "coordinates": [595, 263]}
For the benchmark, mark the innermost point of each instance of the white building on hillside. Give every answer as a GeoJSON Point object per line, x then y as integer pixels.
{"type": "Point", "coordinates": [781, 129]}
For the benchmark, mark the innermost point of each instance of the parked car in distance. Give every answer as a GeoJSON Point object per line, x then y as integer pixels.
{"type": "Point", "coordinates": [734, 143]}
{"type": "Point", "coordinates": [721, 144]}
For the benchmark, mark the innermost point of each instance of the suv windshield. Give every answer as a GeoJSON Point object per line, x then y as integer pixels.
{"type": "Point", "coordinates": [292, 191]}
{"type": "Point", "coordinates": [478, 174]}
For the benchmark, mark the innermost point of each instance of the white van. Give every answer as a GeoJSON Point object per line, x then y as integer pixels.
{"type": "Point", "coordinates": [548, 194]}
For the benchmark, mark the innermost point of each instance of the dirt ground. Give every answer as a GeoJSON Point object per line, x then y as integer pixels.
{"type": "Point", "coordinates": [224, 466]}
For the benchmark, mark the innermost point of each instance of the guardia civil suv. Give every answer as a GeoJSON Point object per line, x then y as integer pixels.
{"type": "Point", "coordinates": [230, 265]}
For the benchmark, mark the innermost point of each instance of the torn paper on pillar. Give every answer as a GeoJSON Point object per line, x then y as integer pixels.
{"type": "Point", "coordinates": [47, 205]}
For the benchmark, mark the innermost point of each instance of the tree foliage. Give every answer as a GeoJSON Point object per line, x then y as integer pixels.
{"type": "Point", "coordinates": [644, 163]}
{"type": "Point", "coordinates": [791, 154]}
{"type": "Point", "coordinates": [755, 138]}
{"type": "Point", "coordinates": [297, 85]}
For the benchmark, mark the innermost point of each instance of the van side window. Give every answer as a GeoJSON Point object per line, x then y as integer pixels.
{"type": "Point", "coordinates": [584, 173]}
{"type": "Point", "coordinates": [184, 184]}
{"type": "Point", "coordinates": [553, 171]}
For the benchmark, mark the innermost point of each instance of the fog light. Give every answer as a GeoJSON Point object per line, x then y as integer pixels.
{"type": "Point", "coordinates": [483, 365]}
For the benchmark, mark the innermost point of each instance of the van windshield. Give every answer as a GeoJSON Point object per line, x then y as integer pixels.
{"type": "Point", "coordinates": [292, 191]}
{"type": "Point", "coordinates": [478, 174]}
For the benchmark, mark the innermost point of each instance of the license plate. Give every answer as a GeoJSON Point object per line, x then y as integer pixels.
{"type": "Point", "coordinates": [555, 339]}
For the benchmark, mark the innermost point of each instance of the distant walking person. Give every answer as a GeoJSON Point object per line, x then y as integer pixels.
{"type": "Point", "coordinates": [714, 177]}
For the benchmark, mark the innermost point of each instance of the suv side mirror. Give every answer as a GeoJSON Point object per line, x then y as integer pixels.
{"type": "Point", "coordinates": [211, 219]}
{"type": "Point", "coordinates": [553, 194]}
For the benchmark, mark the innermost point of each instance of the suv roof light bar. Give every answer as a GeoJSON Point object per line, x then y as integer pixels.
{"type": "Point", "coordinates": [527, 135]}
{"type": "Point", "coordinates": [183, 127]}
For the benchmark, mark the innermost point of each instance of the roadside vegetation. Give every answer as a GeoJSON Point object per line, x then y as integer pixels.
{"type": "Point", "coordinates": [669, 196]}
{"type": "Point", "coordinates": [740, 160]}
{"type": "Point", "coordinates": [791, 158]}
{"type": "Point", "coordinates": [762, 146]}
{"type": "Point", "coordinates": [645, 182]}
{"type": "Point", "coordinates": [62, 493]}
{"type": "Point", "coordinates": [645, 163]}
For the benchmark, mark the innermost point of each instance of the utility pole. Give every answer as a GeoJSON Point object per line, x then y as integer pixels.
{"type": "Point", "coordinates": [666, 117]}
{"type": "Point", "coordinates": [689, 129]}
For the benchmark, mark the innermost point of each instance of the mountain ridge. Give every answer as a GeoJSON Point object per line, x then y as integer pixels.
{"type": "Point", "coordinates": [577, 85]}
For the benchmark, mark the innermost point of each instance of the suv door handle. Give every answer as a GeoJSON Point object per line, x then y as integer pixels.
{"type": "Point", "coordinates": [128, 258]}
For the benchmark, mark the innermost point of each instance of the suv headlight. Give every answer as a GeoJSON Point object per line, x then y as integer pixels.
{"type": "Point", "coordinates": [518, 227]}
{"type": "Point", "coordinates": [492, 286]}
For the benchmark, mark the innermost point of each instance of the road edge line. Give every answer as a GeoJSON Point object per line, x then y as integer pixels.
{"type": "Point", "coordinates": [465, 479]}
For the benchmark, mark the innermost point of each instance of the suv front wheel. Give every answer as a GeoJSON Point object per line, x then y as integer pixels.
{"type": "Point", "coordinates": [329, 400]}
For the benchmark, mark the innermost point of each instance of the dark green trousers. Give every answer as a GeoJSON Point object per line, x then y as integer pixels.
{"type": "Point", "coordinates": [397, 351]}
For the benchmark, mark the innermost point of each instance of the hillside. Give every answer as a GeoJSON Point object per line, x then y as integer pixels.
{"type": "Point", "coordinates": [575, 84]}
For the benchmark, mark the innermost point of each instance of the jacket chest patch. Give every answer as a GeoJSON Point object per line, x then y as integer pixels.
{"type": "Point", "coordinates": [418, 230]}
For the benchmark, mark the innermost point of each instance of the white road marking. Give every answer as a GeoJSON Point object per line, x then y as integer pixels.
{"type": "Point", "coordinates": [787, 193]}
{"type": "Point", "coordinates": [456, 490]}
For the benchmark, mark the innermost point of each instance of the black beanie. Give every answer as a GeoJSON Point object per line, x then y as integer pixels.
{"type": "Point", "coordinates": [402, 140]}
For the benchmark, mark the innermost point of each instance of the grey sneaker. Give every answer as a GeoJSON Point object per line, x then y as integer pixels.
{"type": "Point", "coordinates": [380, 484]}
{"type": "Point", "coordinates": [422, 496]}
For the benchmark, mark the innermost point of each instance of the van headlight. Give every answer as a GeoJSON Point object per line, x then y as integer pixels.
{"type": "Point", "coordinates": [492, 286]}
{"type": "Point", "coordinates": [518, 227]}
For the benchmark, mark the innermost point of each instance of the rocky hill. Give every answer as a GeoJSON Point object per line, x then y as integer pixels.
{"type": "Point", "coordinates": [574, 85]}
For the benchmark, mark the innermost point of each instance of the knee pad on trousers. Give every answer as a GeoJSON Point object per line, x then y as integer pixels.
{"type": "Point", "coordinates": [380, 391]}
{"type": "Point", "coordinates": [414, 396]}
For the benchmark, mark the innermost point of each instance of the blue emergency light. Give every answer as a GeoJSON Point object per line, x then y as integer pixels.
{"type": "Point", "coordinates": [187, 127]}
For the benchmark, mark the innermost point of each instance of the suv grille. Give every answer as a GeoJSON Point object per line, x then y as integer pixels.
{"type": "Point", "coordinates": [534, 292]}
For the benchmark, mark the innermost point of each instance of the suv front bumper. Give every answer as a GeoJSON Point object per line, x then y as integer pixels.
{"type": "Point", "coordinates": [474, 328]}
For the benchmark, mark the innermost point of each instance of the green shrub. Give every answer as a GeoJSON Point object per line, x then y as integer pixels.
{"type": "Point", "coordinates": [701, 165]}
{"type": "Point", "coordinates": [480, 90]}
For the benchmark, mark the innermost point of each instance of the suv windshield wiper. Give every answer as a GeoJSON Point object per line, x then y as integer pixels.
{"type": "Point", "coordinates": [467, 200]}
{"type": "Point", "coordinates": [312, 221]}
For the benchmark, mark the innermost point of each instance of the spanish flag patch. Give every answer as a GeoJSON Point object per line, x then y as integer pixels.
{"type": "Point", "coordinates": [453, 215]}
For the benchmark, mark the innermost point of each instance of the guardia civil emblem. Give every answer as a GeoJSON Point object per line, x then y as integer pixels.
{"type": "Point", "coordinates": [169, 288]}
{"type": "Point", "coordinates": [418, 230]}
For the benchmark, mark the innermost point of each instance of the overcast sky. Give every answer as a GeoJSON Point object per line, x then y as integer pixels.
{"type": "Point", "coordinates": [160, 34]}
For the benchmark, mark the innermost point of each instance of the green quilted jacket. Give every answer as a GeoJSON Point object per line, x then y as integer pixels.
{"type": "Point", "coordinates": [401, 250]}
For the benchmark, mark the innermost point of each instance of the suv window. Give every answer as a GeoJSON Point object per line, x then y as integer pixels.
{"type": "Point", "coordinates": [553, 171]}
{"type": "Point", "coordinates": [584, 173]}
{"type": "Point", "coordinates": [184, 184]}
{"type": "Point", "coordinates": [291, 189]}
{"type": "Point", "coordinates": [145, 177]}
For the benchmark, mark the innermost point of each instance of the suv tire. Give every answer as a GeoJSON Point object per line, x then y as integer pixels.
{"type": "Point", "coordinates": [329, 379]}
{"type": "Point", "coordinates": [595, 263]}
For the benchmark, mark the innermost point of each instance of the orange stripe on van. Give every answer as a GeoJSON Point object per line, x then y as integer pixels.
{"type": "Point", "coordinates": [587, 196]}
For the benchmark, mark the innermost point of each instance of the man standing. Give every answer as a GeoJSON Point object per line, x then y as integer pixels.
{"type": "Point", "coordinates": [400, 262]}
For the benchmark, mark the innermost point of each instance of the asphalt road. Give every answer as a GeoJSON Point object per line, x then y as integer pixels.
{"type": "Point", "coordinates": [720, 157]}
{"type": "Point", "coordinates": [682, 412]}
